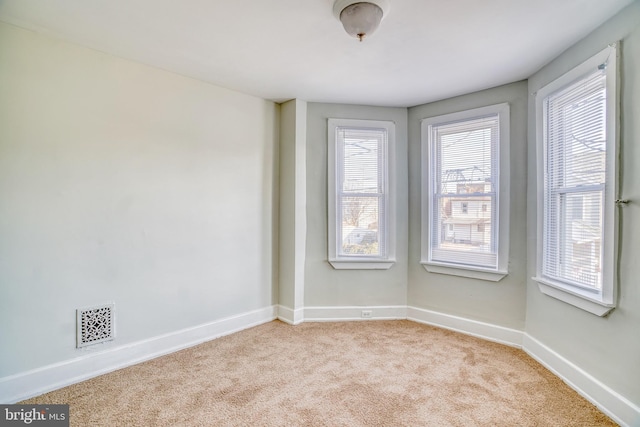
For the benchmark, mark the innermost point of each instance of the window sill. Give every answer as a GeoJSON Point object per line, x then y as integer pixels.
{"type": "Point", "coordinates": [470, 272]}
{"type": "Point", "coordinates": [577, 298]}
{"type": "Point", "coordinates": [361, 264]}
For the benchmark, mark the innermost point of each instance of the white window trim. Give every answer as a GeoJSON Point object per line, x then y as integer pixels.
{"type": "Point", "coordinates": [502, 198]}
{"type": "Point", "coordinates": [598, 303]}
{"type": "Point", "coordinates": [362, 262]}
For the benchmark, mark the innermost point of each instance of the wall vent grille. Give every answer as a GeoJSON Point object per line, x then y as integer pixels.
{"type": "Point", "coordinates": [95, 325]}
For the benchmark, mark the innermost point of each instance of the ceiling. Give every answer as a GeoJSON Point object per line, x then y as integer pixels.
{"type": "Point", "coordinates": [424, 50]}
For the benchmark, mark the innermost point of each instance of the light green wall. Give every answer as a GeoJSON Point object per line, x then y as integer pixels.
{"type": "Point", "coordinates": [286, 229]}
{"type": "Point", "coordinates": [325, 286]}
{"type": "Point", "coordinates": [292, 195]}
{"type": "Point", "coordinates": [607, 348]}
{"type": "Point", "coordinates": [120, 182]}
{"type": "Point", "coordinates": [501, 303]}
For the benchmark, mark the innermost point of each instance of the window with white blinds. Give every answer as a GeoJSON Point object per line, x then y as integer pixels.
{"type": "Point", "coordinates": [574, 179]}
{"type": "Point", "coordinates": [461, 204]}
{"type": "Point", "coordinates": [359, 202]}
{"type": "Point", "coordinates": [576, 116]}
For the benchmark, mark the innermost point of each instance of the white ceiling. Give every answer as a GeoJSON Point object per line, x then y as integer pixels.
{"type": "Point", "coordinates": [424, 50]}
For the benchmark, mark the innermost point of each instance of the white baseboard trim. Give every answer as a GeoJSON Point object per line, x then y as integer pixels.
{"type": "Point", "coordinates": [349, 313]}
{"type": "Point", "coordinates": [24, 385]}
{"type": "Point", "coordinates": [290, 316]}
{"type": "Point", "coordinates": [487, 331]}
{"type": "Point", "coordinates": [616, 406]}
{"type": "Point", "coordinates": [28, 384]}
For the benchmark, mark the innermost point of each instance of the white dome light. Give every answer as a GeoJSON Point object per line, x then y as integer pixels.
{"type": "Point", "coordinates": [360, 18]}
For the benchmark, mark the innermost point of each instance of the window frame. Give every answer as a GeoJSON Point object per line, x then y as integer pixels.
{"type": "Point", "coordinates": [388, 229]}
{"type": "Point", "coordinates": [600, 302]}
{"type": "Point", "coordinates": [502, 194]}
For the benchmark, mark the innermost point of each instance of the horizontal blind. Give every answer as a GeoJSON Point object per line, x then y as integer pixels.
{"type": "Point", "coordinates": [464, 188]}
{"type": "Point", "coordinates": [574, 181]}
{"type": "Point", "coordinates": [361, 191]}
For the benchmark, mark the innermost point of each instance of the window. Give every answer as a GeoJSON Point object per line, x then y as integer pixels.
{"type": "Point", "coordinates": [465, 217]}
{"type": "Point", "coordinates": [361, 204]}
{"type": "Point", "coordinates": [576, 127]}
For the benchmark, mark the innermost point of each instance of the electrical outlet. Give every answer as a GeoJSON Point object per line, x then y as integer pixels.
{"type": "Point", "coordinates": [366, 314]}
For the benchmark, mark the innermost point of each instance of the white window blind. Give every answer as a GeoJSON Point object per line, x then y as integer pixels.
{"type": "Point", "coordinates": [577, 225]}
{"type": "Point", "coordinates": [575, 148]}
{"type": "Point", "coordinates": [361, 205]}
{"type": "Point", "coordinates": [361, 191]}
{"type": "Point", "coordinates": [464, 187]}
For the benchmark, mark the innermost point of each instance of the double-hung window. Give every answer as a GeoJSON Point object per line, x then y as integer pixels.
{"type": "Point", "coordinates": [576, 137]}
{"type": "Point", "coordinates": [361, 204]}
{"type": "Point", "coordinates": [465, 192]}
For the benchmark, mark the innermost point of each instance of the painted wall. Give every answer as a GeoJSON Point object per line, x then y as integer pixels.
{"type": "Point", "coordinates": [607, 348]}
{"type": "Point", "coordinates": [325, 286]}
{"type": "Point", "coordinates": [293, 204]}
{"type": "Point", "coordinates": [500, 303]}
{"type": "Point", "coordinates": [124, 183]}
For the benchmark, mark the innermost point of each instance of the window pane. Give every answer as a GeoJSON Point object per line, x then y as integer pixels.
{"type": "Point", "coordinates": [361, 191]}
{"type": "Point", "coordinates": [574, 182]}
{"type": "Point", "coordinates": [362, 160]}
{"type": "Point", "coordinates": [463, 170]}
{"type": "Point", "coordinates": [360, 229]}
{"type": "Point", "coordinates": [583, 238]}
{"type": "Point", "coordinates": [577, 134]}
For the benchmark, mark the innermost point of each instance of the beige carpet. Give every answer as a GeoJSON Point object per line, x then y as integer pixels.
{"type": "Point", "coordinates": [376, 373]}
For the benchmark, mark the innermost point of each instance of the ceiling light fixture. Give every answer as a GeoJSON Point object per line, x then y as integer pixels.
{"type": "Point", "coordinates": [360, 18]}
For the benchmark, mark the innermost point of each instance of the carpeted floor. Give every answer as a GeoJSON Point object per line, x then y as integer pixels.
{"type": "Point", "coordinates": [375, 373]}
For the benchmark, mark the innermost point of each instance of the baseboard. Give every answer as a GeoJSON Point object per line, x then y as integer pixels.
{"type": "Point", "coordinates": [487, 331]}
{"type": "Point", "coordinates": [28, 384]}
{"type": "Point", "coordinates": [22, 386]}
{"type": "Point", "coordinates": [620, 409]}
{"type": "Point", "coordinates": [290, 316]}
{"type": "Point", "coordinates": [349, 313]}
